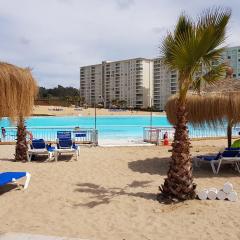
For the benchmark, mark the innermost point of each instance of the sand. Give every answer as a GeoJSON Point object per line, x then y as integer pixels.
{"type": "Point", "coordinates": [71, 111]}
{"type": "Point", "coordinates": [110, 193]}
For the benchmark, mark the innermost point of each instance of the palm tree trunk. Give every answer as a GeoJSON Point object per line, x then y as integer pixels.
{"type": "Point", "coordinates": [21, 146]}
{"type": "Point", "coordinates": [179, 182]}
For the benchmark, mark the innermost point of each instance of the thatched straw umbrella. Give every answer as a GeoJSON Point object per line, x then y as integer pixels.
{"type": "Point", "coordinates": [216, 105]}
{"type": "Point", "coordinates": [18, 90]}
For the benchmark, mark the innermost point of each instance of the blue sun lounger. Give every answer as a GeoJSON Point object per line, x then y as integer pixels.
{"type": "Point", "coordinates": [9, 177]}
{"type": "Point", "coordinates": [65, 144]}
{"type": "Point", "coordinates": [39, 147]}
{"type": "Point", "coordinates": [228, 156]}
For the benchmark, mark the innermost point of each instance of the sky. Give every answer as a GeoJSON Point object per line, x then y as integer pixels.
{"type": "Point", "coordinates": [56, 37]}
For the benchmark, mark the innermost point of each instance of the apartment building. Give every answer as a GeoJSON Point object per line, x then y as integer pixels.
{"type": "Point", "coordinates": [166, 81]}
{"type": "Point", "coordinates": [91, 83]}
{"type": "Point", "coordinates": [139, 82]}
{"type": "Point", "coordinates": [128, 80]}
{"type": "Point", "coordinates": [232, 56]}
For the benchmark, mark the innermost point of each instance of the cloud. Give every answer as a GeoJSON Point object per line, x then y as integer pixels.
{"type": "Point", "coordinates": [56, 37]}
{"type": "Point", "coordinates": [24, 41]}
{"type": "Point", "coordinates": [124, 4]}
{"type": "Point", "coordinates": [159, 30]}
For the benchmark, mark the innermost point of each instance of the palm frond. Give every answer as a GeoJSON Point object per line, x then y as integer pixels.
{"type": "Point", "coordinates": [191, 45]}
{"type": "Point", "coordinates": [216, 73]}
{"type": "Point", "coordinates": [210, 77]}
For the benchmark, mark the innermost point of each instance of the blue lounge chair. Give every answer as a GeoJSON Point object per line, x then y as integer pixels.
{"type": "Point", "coordinates": [9, 177]}
{"type": "Point", "coordinates": [66, 145]}
{"type": "Point", "coordinates": [39, 147]}
{"type": "Point", "coordinates": [227, 156]}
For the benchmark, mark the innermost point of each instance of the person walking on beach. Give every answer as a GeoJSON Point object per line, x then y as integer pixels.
{"type": "Point", "coordinates": [3, 132]}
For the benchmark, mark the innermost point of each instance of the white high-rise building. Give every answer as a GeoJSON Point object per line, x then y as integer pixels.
{"type": "Point", "coordinates": [129, 81]}
{"type": "Point", "coordinates": [91, 83]}
{"type": "Point", "coordinates": [166, 81]}
{"type": "Point", "coordinates": [138, 82]}
{"type": "Point", "coordinates": [232, 57]}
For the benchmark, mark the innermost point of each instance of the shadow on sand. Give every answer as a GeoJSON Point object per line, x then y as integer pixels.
{"type": "Point", "coordinates": [42, 159]}
{"type": "Point", "coordinates": [102, 195]}
{"type": "Point", "coordinates": [159, 166]}
{"type": "Point", "coordinates": [8, 187]}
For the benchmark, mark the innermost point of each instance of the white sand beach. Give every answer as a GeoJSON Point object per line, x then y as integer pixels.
{"type": "Point", "coordinates": [110, 193]}
{"type": "Point", "coordinates": [71, 111]}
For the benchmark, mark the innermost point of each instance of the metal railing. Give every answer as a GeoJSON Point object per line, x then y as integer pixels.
{"type": "Point", "coordinates": [49, 134]}
{"type": "Point", "coordinates": [151, 134]}
{"type": "Point", "coordinates": [155, 134]}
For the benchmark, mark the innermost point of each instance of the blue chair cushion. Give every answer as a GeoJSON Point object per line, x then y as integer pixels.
{"type": "Point", "coordinates": [64, 134]}
{"type": "Point", "coordinates": [226, 153]}
{"type": "Point", "coordinates": [230, 153]}
{"type": "Point", "coordinates": [65, 143]}
{"type": "Point", "coordinates": [210, 157]}
{"type": "Point", "coordinates": [50, 148]}
{"type": "Point", "coordinates": [38, 144]}
{"type": "Point", "coordinates": [232, 149]}
{"type": "Point", "coordinates": [75, 146]}
{"type": "Point", "coordinates": [7, 177]}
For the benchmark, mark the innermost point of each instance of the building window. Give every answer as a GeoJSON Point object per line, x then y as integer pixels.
{"type": "Point", "coordinates": [234, 75]}
{"type": "Point", "coordinates": [229, 57]}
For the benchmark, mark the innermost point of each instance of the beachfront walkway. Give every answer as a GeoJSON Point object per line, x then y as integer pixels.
{"type": "Point", "coordinates": [110, 193]}
{"type": "Point", "coordinates": [22, 236]}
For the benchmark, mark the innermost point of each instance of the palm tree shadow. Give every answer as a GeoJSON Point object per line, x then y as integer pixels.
{"type": "Point", "coordinates": [159, 166]}
{"type": "Point", "coordinates": [7, 159]}
{"type": "Point", "coordinates": [102, 195]}
{"type": "Point", "coordinates": [8, 187]}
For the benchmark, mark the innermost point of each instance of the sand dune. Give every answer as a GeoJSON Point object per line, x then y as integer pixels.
{"type": "Point", "coordinates": [110, 193]}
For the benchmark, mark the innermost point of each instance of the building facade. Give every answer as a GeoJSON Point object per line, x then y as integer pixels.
{"type": "Point", "coordinates": [139, 82]}
{"type": "Point", "coordinates": [129, 81]}
{"type": "Point", "coordinates": [91, 83]}
{"type": "Point", "coordinates": [232, 57]}
{"type": "Point", "coordinates": [166, 81]}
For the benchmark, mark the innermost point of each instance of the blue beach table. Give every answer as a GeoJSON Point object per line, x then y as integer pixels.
{"type": "Point", "coordinates": [9, 177]}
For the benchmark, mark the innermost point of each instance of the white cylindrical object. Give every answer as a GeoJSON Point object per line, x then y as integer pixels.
{"type": "Point", "coordinates": [221, 195]}
{"type": "Point", "coordinates": [227, 187]}
{"type": "Point", "coordinates": [212, 193]}
{"type": "Point", "coordinates": [232, 196]}
{"type": "Point", "coordinates": [203, 194]}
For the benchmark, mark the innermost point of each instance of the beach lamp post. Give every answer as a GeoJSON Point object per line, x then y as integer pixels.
{"type": "Point", "coordinates": [95, 111]}
{"type": "Point", "coordinates": [95, 116]}
{"type": "Point", "coordinates": [151, 112]}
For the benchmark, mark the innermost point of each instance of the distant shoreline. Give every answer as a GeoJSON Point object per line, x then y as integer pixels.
{"type": "Point", "coordinates": [71, 111]}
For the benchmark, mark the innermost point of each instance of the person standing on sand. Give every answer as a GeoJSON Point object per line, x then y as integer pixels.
{"type": "Point", "coordinates": [3, 132]}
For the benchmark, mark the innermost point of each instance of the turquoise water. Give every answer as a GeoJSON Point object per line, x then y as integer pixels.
{"type": "Point", "coordinates": [109, 127]}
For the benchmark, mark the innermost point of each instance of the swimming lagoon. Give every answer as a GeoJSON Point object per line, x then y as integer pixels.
{"type": "Point", "coordinates": [117, 129]}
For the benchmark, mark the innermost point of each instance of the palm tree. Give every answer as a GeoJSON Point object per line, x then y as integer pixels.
{"type": "Point", "coordinates": [18, 91]}
{"type": "Point", "coordinates": [189, 47]}
{"type": "Point", "coordinates": [21, 145]}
